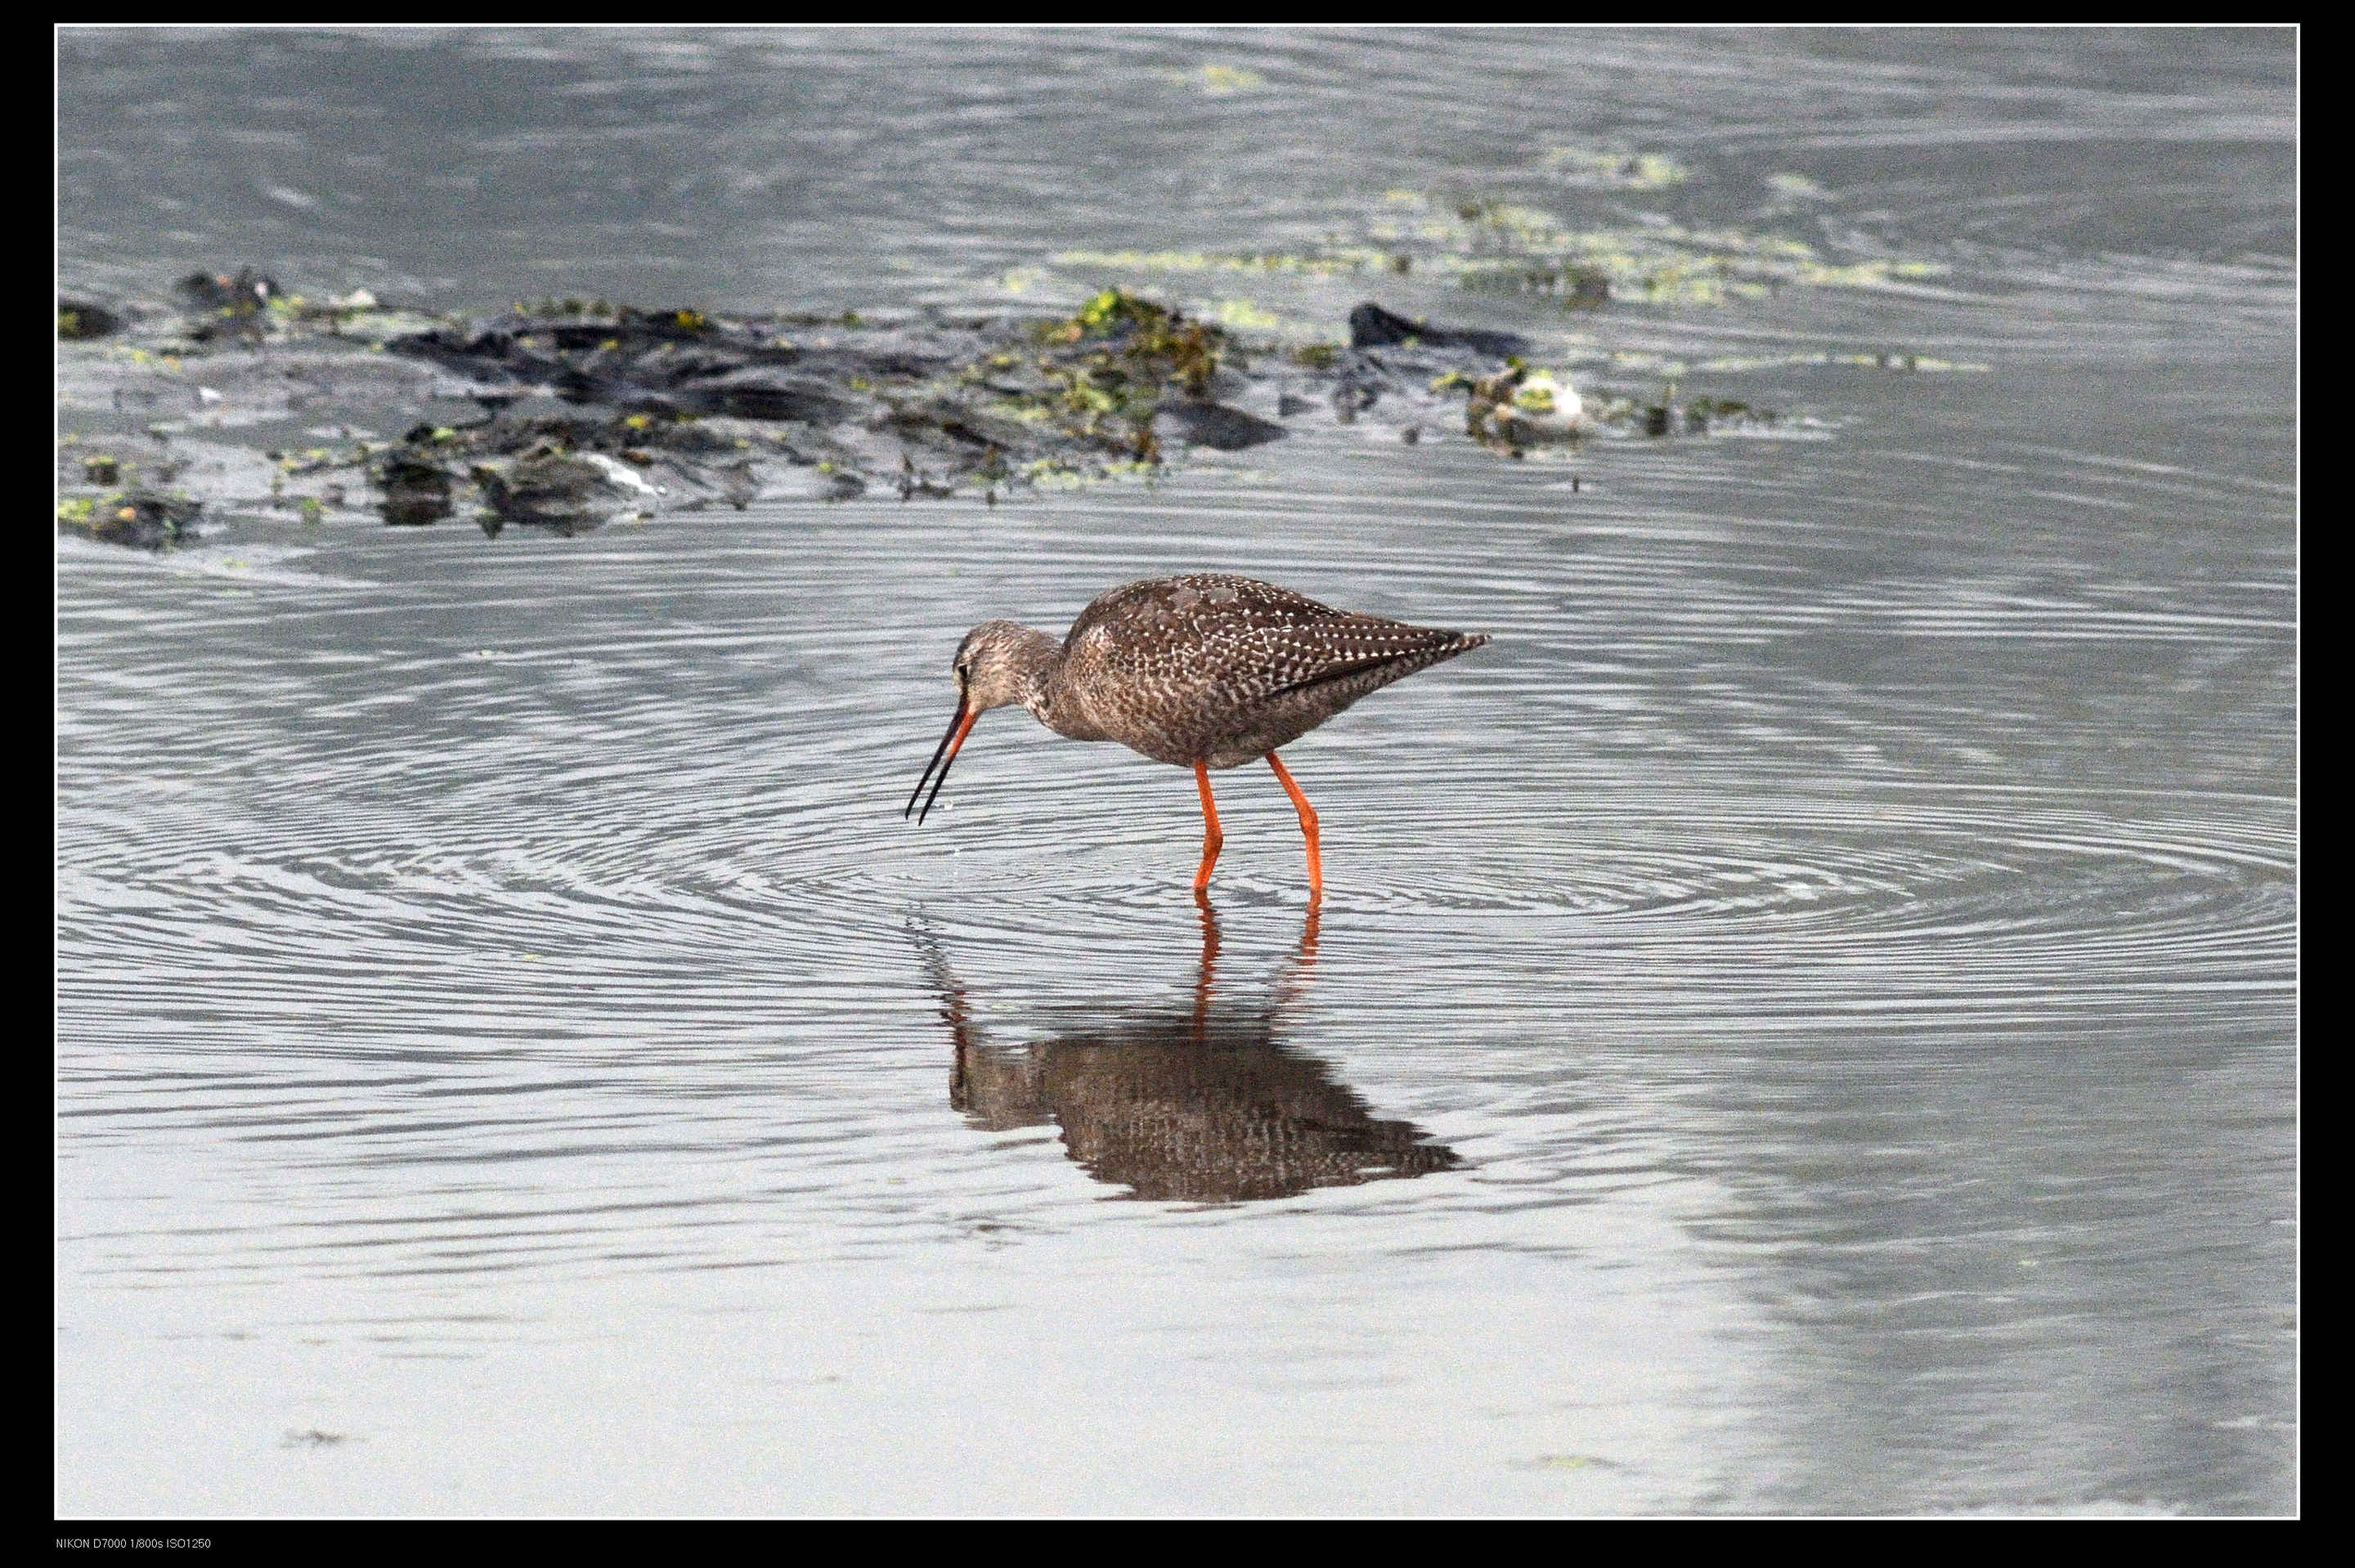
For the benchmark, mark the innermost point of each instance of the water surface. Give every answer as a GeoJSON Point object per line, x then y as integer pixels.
{"type": "Point", "coordinates": [1803, 1022]}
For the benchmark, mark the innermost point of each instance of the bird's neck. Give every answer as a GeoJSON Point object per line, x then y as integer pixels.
{"type": "Point", "coordinates": [1039, 665]}
{"type": "Point", "coordinates": [1028, 667]}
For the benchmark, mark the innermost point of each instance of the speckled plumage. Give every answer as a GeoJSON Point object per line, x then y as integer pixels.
{"type": "Point", "coordinates": [1208, 668]}
{"type": "Point", "coordinates": [1205, 671]}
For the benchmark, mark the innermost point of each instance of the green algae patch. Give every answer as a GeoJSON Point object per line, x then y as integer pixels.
{"type": "Point", "coordinates": [1219, 80]}
{"type": "Point", "coordinates": [1866, 274]}
{"type": "Point", "coordinates": [1246, 315]}
{"type": "Point", "coordinates": [1273, 263]}
{"type": "Point", "coordinates": [1600, 169]}
{"type": "Point", "coordinates": [1515, 248]}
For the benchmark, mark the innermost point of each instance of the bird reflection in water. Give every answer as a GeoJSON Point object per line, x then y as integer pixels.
{"type": "Point", "coordinates": [1205, 1105]}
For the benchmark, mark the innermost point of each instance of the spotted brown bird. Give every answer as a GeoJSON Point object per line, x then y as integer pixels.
{"type": "Point", "coordinates": [1206, 670]}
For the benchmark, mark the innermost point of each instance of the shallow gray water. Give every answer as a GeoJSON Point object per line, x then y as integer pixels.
{"type": "Point", "coordinates": [1803, 1022]}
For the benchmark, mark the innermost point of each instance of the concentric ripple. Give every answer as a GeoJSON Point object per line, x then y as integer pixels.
{"type": "Point", "coordinates": [678, 763]}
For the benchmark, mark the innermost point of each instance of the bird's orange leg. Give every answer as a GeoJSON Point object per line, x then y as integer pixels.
{"type": "Point", "coordinates": [1308, 827]}
{"type": "Point", "coordinates": [1211, 837]}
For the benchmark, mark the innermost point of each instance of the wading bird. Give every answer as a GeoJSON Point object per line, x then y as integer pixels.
{"type": "Point", "coordinates": [1202, 672]}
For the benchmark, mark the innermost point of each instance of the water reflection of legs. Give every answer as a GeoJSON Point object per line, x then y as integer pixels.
{"type": "Point", "coordinates": [1294, 983]}
{"type": "Point", "coordinates": [1209, 918]}
{"type": "Point", "coordinates": [1205, 1105]}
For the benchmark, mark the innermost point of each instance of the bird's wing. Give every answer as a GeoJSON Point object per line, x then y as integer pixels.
{"type": "Point", "coordinates": [1244, 640]}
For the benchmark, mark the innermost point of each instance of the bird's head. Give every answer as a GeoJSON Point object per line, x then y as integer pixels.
{"type": "Point", "coordinates": [998, 664]}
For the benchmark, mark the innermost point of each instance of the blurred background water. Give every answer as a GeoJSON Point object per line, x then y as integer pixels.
{"type": "Point", "coordinates": [1803, 1022]}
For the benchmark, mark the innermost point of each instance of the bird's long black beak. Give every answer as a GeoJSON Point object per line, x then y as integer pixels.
{"type": "Point", "coordinates": [943, 755]}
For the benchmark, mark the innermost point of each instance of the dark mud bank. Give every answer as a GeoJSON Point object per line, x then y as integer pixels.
{"type": "Point", "coordinates": [237, 398]}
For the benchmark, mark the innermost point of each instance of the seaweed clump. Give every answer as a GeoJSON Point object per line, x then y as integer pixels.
{"type": "Point", "coordinates": [1137, 352]}
{"type": "Point", "coordinates": [585, 413]}
{"type": "Point", "coordinates": [81, 319]}
{"type": "Point", "coordinates": [927, 408]}
{"type": "Point", "coordinates": [141, 519]}
{"type": "Point", "coordinates": [1123, 364]}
